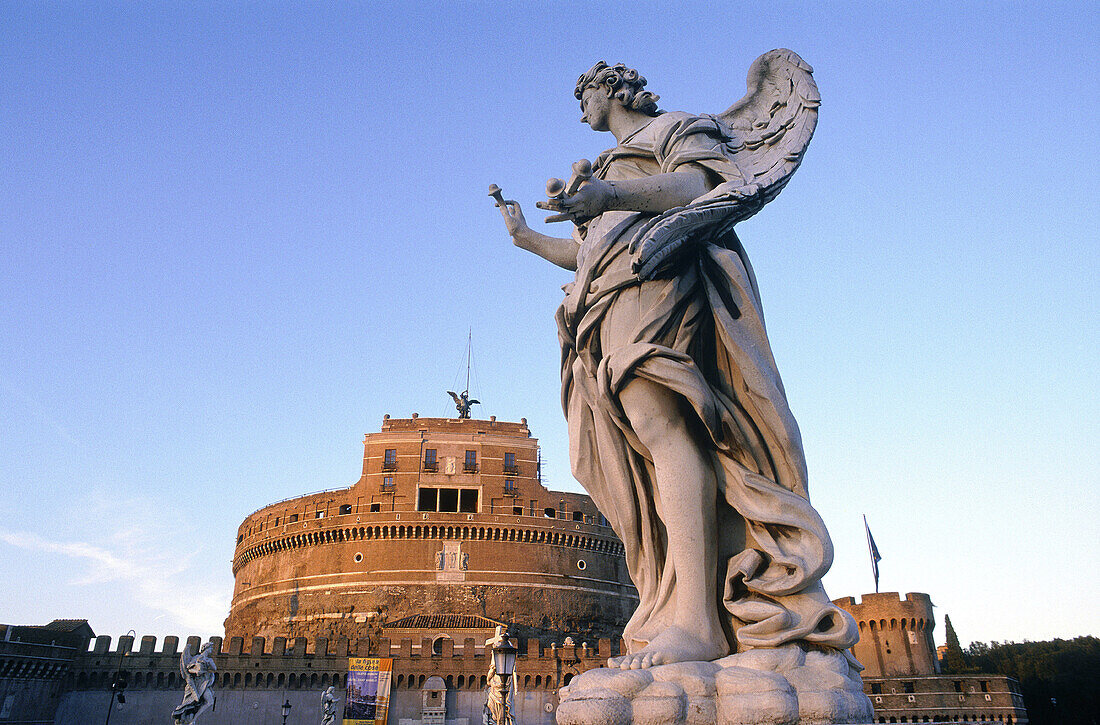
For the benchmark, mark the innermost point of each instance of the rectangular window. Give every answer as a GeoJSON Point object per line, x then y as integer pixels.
{"type": "Point", "coordinates": [276, 520]}
{"type": "Point", "coordinates": [578, 516]}
{"type": "Point", "coordinates": [428, 499]}
{"type": "Point", "coordinates": [448, 500]}
{"type": "Point", "coordinates": [319, 515]}
{"type": "Point", "coordinates": [345, 509]}
{"type": "Point", "coordinates": [958, 686]}
{"type": "Point", "coordinates": [985, 686]}
{"type": "Point", "coordinates": [375, 508]}
{"type": "Point", "coordinates": [387, 484]}
{"type": "Point", "coordinates": [467, 500]}
{"type": "Point", "coordinates": [510, 486]}
{"type": "Point", "coordinates": [907, 686]}
{"type": "Point", "coordinates": [510, 464]}
{"type": "Point", "coordinates": [517, 511]}
{"type": "Point", "coordinates": [470, 464]}
{"type": "Point", "coordinates": [876, 688]}
{"type": "Point", "coordinates": [431, 462]}
{"type": "Point", "coordinates": [293, 518]}
{"type": "Point", "coordinates": [389, 460]}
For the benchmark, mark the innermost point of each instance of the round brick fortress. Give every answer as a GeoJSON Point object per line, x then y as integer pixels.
{"type": "Point", "coordinates": [449, 517]}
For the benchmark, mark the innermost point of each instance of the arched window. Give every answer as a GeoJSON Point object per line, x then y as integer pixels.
{"type": "Point", "coordinates": [437, 645]}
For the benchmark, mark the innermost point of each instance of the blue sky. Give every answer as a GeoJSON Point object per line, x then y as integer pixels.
{"type": "Point", "coordinates": [232, 238]}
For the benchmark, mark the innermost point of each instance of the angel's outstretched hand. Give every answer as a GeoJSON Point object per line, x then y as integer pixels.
{"type": "Point", "coordinates": [592, 199]}
{"type": "Point", "coordinates": [514, 221]}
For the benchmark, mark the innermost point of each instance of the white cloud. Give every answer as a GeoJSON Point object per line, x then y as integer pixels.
{"type": "Point", "coordinates": [136, 558]}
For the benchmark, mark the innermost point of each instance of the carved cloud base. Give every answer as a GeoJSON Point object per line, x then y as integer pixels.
{"type": "Point", "coordinates": [783, 686]}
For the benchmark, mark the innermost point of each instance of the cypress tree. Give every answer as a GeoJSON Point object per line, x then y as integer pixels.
{"type": "Point", "coordinates": [954, 659]}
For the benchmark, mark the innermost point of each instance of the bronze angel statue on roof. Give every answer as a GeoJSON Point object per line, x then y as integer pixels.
{"type": "Point", "coordinates": [463, 402]}
{"type": "Point", "coordinates": [679, 426]}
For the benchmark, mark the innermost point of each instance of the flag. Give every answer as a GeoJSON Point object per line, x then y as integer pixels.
{"type": "Point", "coordinates": [875, 556]}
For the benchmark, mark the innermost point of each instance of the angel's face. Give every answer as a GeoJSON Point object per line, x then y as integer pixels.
{"type": "Point", "coordinates": [596, 107]}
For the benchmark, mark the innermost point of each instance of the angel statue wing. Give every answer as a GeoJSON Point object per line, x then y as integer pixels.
{"type": "Point", "coordinates": [185, 659]}
{"type": "Point", "coordinates": [455, 396]}
{"type": "Point", "coordinates": [769, 129]}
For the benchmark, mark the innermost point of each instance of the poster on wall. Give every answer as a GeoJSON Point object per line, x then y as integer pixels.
{"type": "Point", "coordinates": [368, 697]}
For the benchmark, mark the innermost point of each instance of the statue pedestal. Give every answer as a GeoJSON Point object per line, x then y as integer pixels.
{"type": "Point", "coordinates": [784, 686]}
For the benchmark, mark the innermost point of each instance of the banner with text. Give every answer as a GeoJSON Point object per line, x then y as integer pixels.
{"type": "Point", "coordinates": [368, 697]}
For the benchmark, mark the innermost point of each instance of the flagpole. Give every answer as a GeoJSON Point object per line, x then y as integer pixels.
{"type": "Point", "coordinates": [872, 550]}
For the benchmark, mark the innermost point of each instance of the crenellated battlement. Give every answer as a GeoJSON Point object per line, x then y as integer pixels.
{"type": "Point", "coordinates": [302, 663]}
{"type": "Point", "coordinates": [895, 633]}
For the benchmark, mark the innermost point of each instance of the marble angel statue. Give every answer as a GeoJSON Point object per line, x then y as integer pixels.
{"type": "Point", "coordinates": [500, 692]}
{"type": "Point", "coordinates": [328, 706]}
{"type": "Point", "coordinates": [198, 678]}
{"type": "Point", "coordinates": [679, 425]}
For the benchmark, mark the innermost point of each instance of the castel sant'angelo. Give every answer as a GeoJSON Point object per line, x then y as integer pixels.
{"type": "Point", "coordinates": [447, 534]}
{"type": "Point", "coordinates": [449, 517]}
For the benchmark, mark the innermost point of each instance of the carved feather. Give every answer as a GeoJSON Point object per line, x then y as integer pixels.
{"type": "Point", "coordinates": [771, 127]}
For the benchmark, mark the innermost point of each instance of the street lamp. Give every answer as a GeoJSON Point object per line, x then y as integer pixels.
{"type": "Point", "coordinates": [504, 660]}
{"type": "Point", "coordinates": [118, 684]}
{"type": "Point", "coordinates": [286, 711]}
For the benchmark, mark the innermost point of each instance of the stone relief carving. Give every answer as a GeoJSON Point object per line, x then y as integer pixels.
{"type": "Point", "coordinates": [671, 393]}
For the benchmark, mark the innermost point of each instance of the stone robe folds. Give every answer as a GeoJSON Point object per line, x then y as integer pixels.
{"type": "Point", "coordinates": [700, 333]}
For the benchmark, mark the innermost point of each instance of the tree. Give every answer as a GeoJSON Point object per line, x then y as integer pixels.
{"type": "Point", "coordinates": [1059, 679]}
{"type": "Point", "coordinates": [954, 658]}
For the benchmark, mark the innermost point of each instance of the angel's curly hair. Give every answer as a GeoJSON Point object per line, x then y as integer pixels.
{"type": "Point", "coordinates": [626, 83]}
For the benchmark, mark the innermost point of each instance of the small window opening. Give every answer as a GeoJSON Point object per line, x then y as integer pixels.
{"type": "Point", "coordinates": [427, 499]}
{"type": "Point", "coordinates": [345, 509]}
{"type": "Point", "coordinates": [448, 500]}
{"type": "Point", "coordinates": [549, 512]}
{"type": "Point", "coordinates": [467, 501]}
{"type": "Point", "coordinates": [375, 508]}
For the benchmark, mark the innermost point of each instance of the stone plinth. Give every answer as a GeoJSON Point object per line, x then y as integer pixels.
{"type": "Point", "coordinates": [784, 686]}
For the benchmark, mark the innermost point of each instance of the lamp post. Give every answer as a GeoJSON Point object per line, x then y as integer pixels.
{"type": "Point", "coordinates": [286, 711]}
{"type": "Point", "coordinates": [118, 684]}
{"type": "Point", "coordinates": [504, 660]}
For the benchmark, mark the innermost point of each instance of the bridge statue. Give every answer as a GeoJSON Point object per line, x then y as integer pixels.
{"type": "Point", "coordinates": [679, 426]}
